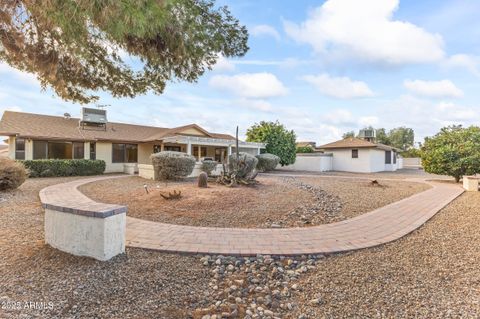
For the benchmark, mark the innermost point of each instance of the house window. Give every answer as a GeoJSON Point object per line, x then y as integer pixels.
{"type": "Point", "coordinates": [40, 149]}
{"type": "Point", "coordinates": [203, 151]}
{"type": "Point", "coordinates": [20, 148]}
{"type": "Point", "coordinates": [124, 153]}
{"type": "Point", "coordinates": [157, 148]}
{"type": "Point", "coordinates": [388, 157]}
{"type": "Point", "coordinates": [59, 150]}
{"type": "Point", "coordinates": [78, 150]}
{"type": "Point", "coordinates": [173, 148]}
{"type": "Point", "coordinates": [394, 158]}
{"type": "Point", "coordinates": [354, 153]}
{"type": "Point", "coordinates": [220, 154]}
{"type": "Point", "coordinates": [93, 151]}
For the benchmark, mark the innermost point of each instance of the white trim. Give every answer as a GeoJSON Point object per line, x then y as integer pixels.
{"type": "Point", "coordinates": [210, 141]}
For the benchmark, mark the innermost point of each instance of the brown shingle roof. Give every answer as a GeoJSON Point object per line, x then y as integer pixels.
{"type": "Point", "coordinates": [353, 142]}
{"type": "Point", "coordinates": [39, 126]}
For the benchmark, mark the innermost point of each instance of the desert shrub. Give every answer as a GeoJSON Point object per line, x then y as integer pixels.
{"type": "Point", "coordinates": [267, 162]}
{"type": "Point", "coordinates": [60, 167]}
{"type": "Point", "coordinates": [171, 165]}
{"type": "Point", "coordinates": [244, 165]}
{"type": "Point", "coordinates": [208, 166]}
{"type": "Point", "coordinates": [12, 174]}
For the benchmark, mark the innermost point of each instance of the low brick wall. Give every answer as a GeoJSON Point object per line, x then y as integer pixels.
{"type": "Point", "coordinates": [80, 226]}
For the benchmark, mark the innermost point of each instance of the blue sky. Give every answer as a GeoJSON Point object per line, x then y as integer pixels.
{"type": "Point", "coordinates": [320, 67]}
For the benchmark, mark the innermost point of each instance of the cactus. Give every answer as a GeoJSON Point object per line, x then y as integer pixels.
{"type": "Point", "coordinates": [203, 180]}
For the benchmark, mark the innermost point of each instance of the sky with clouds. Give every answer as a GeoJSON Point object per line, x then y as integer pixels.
{"type": "Point", "coordinates": [320, 67]}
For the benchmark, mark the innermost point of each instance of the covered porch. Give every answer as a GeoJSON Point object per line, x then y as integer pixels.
{"type": "Point", "coordinates": [201, 148]}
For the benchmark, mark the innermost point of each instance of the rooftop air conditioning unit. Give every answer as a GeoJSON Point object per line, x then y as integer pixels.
{"type": "Point", "coordinates": [367, 134]}
{"type": "Point", "coordinates": [94, 116]}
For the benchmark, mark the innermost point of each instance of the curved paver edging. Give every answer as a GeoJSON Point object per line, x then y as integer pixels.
{"type": "Point", "coordinates": [66, 198]}
{"type": "Point", "coordinates": [377, 227]}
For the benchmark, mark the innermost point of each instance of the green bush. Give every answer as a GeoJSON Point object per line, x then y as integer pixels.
{"type": "Point", "coordinates": [267, 162]}
{"type": "Point", "coordinates": [208, 166]}
{"type": "Point", "coordinates": [244, 165]}
{"type": "Point", "coordinates": [12, 174]}
{"type": "Point", "coordinates": [304, 149]}
{"type": "Point", "coordinates": [59, 167]}
{"type": "Point", "coordinates": [171, 165]}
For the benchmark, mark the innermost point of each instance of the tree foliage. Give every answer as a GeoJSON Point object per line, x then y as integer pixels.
{"type": "Point", "coordinates": [305, 149]}
{"type": "Point", "coordinates": [454, 151]}
{"type": "Point", "coordinates": [77, 47]}
{"type": "Point", "coordinates": [400, 137]}
{"type": "Point", "coordinates": [348, 134]}
{"type": "Point", "coordinates": [279, 141]}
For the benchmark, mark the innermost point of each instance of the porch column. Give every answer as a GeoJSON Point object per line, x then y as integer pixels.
{"type": "Point", "coordinates": [189, 148]}
{"type": "Point", "coordinates": [229, 150]}
{"type": "Point", "coordinates": [258, 151]}
{"type": "Point", "coordinates": [86, 150]}
{"type": "Point", "coordinates": [162, 147]}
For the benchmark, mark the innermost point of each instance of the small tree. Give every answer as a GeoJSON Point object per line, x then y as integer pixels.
{"type": "Point", "coordinates": [171, 165]}
{"type": "Point", "coordinates": [305, 149]}
{"type": "Point", "coordinates": [279, 141]}
{"type": "Point", "coordinates": [349, 134]}
{"type": "Point", "coordinates": [454, 151]}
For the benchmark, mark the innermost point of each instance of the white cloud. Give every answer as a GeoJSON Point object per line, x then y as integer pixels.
{"type": "Point", "coordinates": [265, 30]}
{"type": "Point", "coordinates": [257, 105]}
{"type": "Point", "coordinates": [339, 117]}
{"type": "Point", "coordinates": [368, 121]}
{"type": "Point", "coordinates": [224, 65]}
{"type": "Point", "coordinates": [436, 89]}
{"type": "Point", "coordinates": [367, 31]}
{"type": "Point", "coordinates": [24, 77]}
{"type": "Point", "coordinates": [250, 85]}
{"type": "Point", "coordinates": [339, 87]}
{"type": "Point", "coordinates": [469, 62]}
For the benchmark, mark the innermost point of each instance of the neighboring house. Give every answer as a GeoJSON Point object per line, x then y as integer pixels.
{"type": "Point", "coordinates": [123, 147]}
{"type": "Point", "coordinates": [3, 150]}
{"type": "Point", "coordinates": [363, 156]}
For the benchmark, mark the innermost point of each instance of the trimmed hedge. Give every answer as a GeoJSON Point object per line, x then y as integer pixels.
{"type": "Point", "coordinates": [267, 162]}
{"type": "Point", "coordinates": [59, 167]}
{"type": "Point", "coordinates": [172, 165]}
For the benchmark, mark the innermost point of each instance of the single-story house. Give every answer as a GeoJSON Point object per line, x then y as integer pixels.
{"type": "Point", "coordinates": [123, 147]}
{"type": "Point", "coordinates": [361, 155]}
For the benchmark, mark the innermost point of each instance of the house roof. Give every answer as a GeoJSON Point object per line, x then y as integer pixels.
{"type": "Point", "coordinates": [303, 144]}
{"type": "Point", "coordinates": [353, 142]}
{"type": "Point", "coordinates": [29, 125]}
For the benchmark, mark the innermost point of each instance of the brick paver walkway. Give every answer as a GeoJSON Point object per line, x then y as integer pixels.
{"type": "Point", "coordinates": [371, 229]}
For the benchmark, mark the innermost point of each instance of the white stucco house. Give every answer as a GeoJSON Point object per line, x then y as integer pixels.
{"type": "Point", "coordinates": [362, 156]}
{"type": "Point", "coordinates": [123, 147]}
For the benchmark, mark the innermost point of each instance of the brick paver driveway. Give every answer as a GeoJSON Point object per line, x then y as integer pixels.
{"type": "Point", "coordinates": [371, 229]}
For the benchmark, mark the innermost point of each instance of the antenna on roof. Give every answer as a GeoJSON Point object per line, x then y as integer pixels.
{"type": "Point", "coordinates": [67, 115]}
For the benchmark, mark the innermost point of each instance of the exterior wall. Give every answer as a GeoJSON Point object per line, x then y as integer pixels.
{"type": "Point", "coordinates": [11, 147]}
{"type": "Point", "coordinates": [193, 131]}
{"type": "Point", "coordinates": [86, 150]}
{"type": "Point", "coordinates": [412, 162]}
{"type": "Point", "coordinates": [104, 152]}
{"type": "Point", "coordinates": [252, 151]}
{"type": "Point", "coordinates": [377, 161]}
{"type": "Point", "coordinates": [311, 162]}
{"type": "Point", "coordinates": [100, 238]}
{"type": "Point", "coordinates": [144, 152]}
{"type": "Point", "coordinates": [343, 161]}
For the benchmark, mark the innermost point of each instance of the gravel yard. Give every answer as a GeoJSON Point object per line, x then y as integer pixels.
{"type": "Point", "coordinates": [275, 202]}
{"type": "Point", "coordinates": [139, 284]}
{"type": "Point", "coordinates": [431, 273]}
